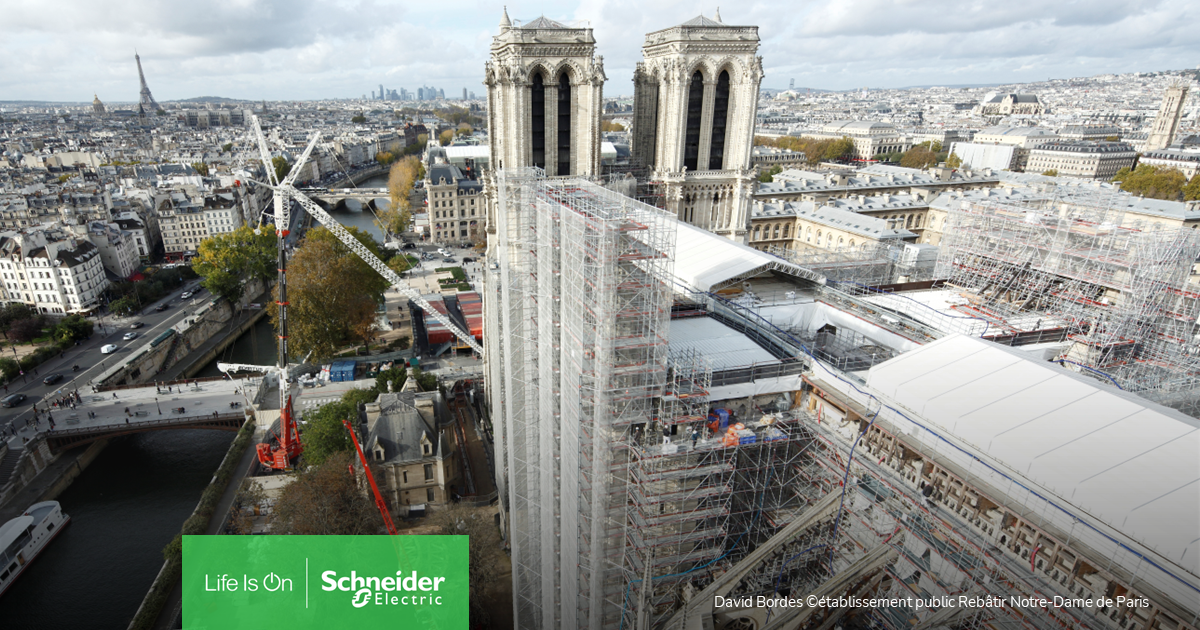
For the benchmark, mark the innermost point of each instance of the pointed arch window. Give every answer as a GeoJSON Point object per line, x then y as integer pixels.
{"type": "Point", "coordinates": [564, 124]}
{"type": "Point", "coordinates": [691, 142]}
{"type": "Point", "coordinates": [716, 153]}
{"type": "Point", "coordinates": [538, 119]}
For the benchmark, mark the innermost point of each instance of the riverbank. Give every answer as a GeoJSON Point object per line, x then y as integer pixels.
{"type": "Point", "coordinates": [53, 480]}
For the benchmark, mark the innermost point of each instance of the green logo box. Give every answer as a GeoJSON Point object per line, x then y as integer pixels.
{"type": "Point", "coordinates": [324, 582]}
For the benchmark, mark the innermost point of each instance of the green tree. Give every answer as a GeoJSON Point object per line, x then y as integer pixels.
{"type": "Point", "coordinates": [325, 500]}
{"type": "Point", "coordinates": [333, 294]}
{"type": "Point", "coordinates": [769, 174]}
{"type": "Point", "coordinates": [954, 161]}
{"type": "Point", "coordinates": [228, 262]}
{"type": "Point", "coordinates": [1053, 172]}
{"type": "Point", "coordinates": [14, 311]}
{"type": "Point", "coordinates": [324, 434]}
{"type": "Point", "coordinates": [920, 156]}
{"type": "Point", "coordinates": [425, 382]}
{"type": "Point", "coordinates": [73, 328]}
{"type": "Point", "coordinates": [839, 149]}
{"type": "Point", "coordinates": [445, 137]}
{"type": "Point", "coordinates": [10, 368]}
{"type": "Point", "coordinates": [227, 147]}
{"type": "Point", "coordinates": [395, 376]}
{"type": "Point", "coordinates": [463, 130]}
{"type": "Point", "coordinates": [26, 330]}
{"type": "Point", "coordinates": [201, 168]}
{"type": "Point", "coordinates": [358, 119]}
{"type": "Point", "coordinates": [1191, 192]}
{"type": "Point", "coordinates": [281, 167]}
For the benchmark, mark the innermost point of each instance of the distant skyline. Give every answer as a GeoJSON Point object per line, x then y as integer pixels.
{"type": "Point", "coordinates": [68, 50]}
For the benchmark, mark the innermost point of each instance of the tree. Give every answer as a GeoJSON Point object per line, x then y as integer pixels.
{"type": "Point", "coordinates": [26, 330]}
{"type": "Point", "coordinates": [384, 158]}
{"type": "Point", "coordinates": [333, 294]}
{"type": "Point", "coordinates": [839, 149]}
{"type": "Point", "coordinates": [1053, 172]}
{"type": "Point", "coordinates": [921, 156]}
{"type": "Point", "coordinates": [227, 147]}
{"type": "Point", "coordinates": [395, 377]}
{"type": "Point", "coordinates": [326, 500]}
{"type": "Point", "coordinates": [486, 562]}
{"type": "Point", "coordinates": [13, 312]}
{"type": "Point", "coordinates": [464, 130]}
{"type": "Point", "coordinates": [358, 119]}
{"type": "Point", "coordinates": [73, 328]}
{"type": "Point", "coordinates": [228, 262]}
{"type": "Point", "coordinates": [201, 168]}
{"type": "Point", "coordinates": [425, 382]}
{"type": "Point", "coordinates": [10, 368]}
{"type": "Point", "coordinates": [445, 137]}
{"type": "Point", "coordinates": [325, 435]}
{"type": "Point", "coordinates": [769, 174]}
{"type": "Point", "coordinates": [609, 125]}
{"type": "Point", "coordinates": [281, 167]}
{"type": "Point", "coordinates": [954, 161]}
{"type": "Point", "coordinates": [1191, 192]}
{"type": "Point", "coordinates": [1152, 182]}
{"type": "Point", "coordinates": [401, 179]}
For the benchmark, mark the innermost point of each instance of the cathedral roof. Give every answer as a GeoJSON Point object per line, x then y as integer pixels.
{"type": "Point", "coordinates": [543, 22]}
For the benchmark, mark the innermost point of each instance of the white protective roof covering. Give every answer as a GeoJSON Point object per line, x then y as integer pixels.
{"type": "Point", "coordinates": [1131, 463]}
{"type": "Point", "coordinates": [704, 260]}
{"type": "Point", "coordinates": [723, 346]}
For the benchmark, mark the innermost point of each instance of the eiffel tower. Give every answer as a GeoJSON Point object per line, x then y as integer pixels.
{"type": "Point", "coordinates": [147, 100]}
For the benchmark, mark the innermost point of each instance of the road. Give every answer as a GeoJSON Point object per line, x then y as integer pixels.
{"type": "Point", "coordinates": [91, 362]}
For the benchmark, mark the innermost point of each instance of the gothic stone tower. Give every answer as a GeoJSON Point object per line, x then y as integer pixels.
{"type": "Point", "coordinates": [1163, 132]}
{"type": "Point", "coordinates": [544, 98]}
{"type": "Point", "coordinates": [695, 100]}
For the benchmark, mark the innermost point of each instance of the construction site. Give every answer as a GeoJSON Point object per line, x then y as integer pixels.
{"type": "Point", "coordinates": [682, 420]}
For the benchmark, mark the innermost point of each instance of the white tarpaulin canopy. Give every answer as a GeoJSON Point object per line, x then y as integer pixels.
{"type": "Point", "coordinates": [704, 260]}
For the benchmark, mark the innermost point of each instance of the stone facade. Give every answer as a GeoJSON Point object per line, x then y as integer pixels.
{"type": "Point", "coordinates": [545, 88]}
{"type": "Point", "coordinates": [1167, 122]}
{"type": "Point", "coordinates": [695, 99]}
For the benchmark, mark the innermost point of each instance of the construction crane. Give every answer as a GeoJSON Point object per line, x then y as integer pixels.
{"type": "Point", "coordinates": [383, 510]}
{"type": "Point", "coordinates": [280, 451]}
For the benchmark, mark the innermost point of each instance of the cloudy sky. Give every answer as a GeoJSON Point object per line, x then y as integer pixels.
{"type": "Point", "coordinates": [66, 50]}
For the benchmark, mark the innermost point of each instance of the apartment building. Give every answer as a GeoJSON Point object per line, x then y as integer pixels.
{"type": "Point", "coordinates": [52, 271]}
{"type": "Point", "coordinates": [456, 207]}
{"type": "Point", "coordinates": [1082, 158]}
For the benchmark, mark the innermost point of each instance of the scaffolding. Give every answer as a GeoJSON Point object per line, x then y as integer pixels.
{"type": "Point", "coordinates": [1120, 293]}
{"type": "Point", "coordinates": [582, 299]}
{"type": "Point", "coordinates": [869, 264]}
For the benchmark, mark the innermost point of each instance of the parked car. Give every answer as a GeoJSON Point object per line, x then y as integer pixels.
{"type": "Point", "coordinates": [52, 379]}
{"type": "Point", "coordinates": [130, 336]}
{"type": "Point", "coordinates": [12, 400]}
{"type": "Point", "coordinates": [136, 325]}
{"type": "Point", "coordinates": [108, 349]}
{"type": "Point", "coordinates": [468, 259]}
{"type": "Point", "coordinates": [448, 259]}
{"type": "Point", "coordinates": [162, 307]}
{"type": "Point", "coordinates": [186, 295]}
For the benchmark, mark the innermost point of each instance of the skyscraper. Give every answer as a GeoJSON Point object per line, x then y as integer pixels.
{"type": "Point", "coordinates": [381, 91]}
{"type": "Point", "coordinates": [695, 99]}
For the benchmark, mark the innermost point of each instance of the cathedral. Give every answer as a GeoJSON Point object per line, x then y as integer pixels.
{"type": "Point", "coordinates": [695, 101]}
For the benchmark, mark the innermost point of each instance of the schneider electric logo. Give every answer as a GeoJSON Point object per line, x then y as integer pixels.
{"type": "Point", "coordinates": [398, 590]}
{"type": "Point", "coordinates": [314, 582]}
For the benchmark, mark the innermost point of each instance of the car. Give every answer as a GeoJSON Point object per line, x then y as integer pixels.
{"type": "Point", "coordinates": [186, 295]}
{"type": "Point", "coordinates": [52, 379]}
{"type": "Point", "coordinates": [12, 400]}
{"type": "Point", "coordinates": [108, 349]}
{"type": "Point", "coordinates": [468, 259]}
{"type": "Point", "coordinates": [136, 325]}
{"type": "Point", "coordinates": [162, 307]}
{"type": "Point", "coordinates": [130, 335]}
{"type": "Point", "coordinates": [448, 259]}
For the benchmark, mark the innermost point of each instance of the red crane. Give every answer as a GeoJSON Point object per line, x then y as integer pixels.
{"type": "Point", "coordinates": [383, 510]}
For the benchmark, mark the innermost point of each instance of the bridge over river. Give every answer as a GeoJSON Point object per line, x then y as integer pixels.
{"type": "Point", "coordinates": [215, 403]}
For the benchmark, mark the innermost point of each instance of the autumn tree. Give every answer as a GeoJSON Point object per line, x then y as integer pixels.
{"type": "Point", "coordinates": [326, 500]}
{"type": "Point", "coordinates": [228, 262]}
{"type": "Point", "coordinates": [332, 294]}
{"type": "Point", "coordinates": [201, 168]}
{"type": "Point", "coordinates": [1191, 192]}
{"type": "Point", "coordinates": [445, 137]}
{"type": "Point", "coordinates": [464, 130]}
{"type": "Point", "coordinates": [384, 158]}
{"type": "Point", "coordinates": [954, 161]}
{"type": "Point", "coordinates": [401, 179]}
{"type": "Point", "coordinates": [919, 157]}
{"type": "Point", "coordinates": [1053, 172]}
{"type": "Point", "coordinates": [611, 125]}
{"type": "Point", "coordinates": [1152, 182]}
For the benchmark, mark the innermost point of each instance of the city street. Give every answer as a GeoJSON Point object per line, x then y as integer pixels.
{"type": "Point", "coordinates": [109, 330]}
